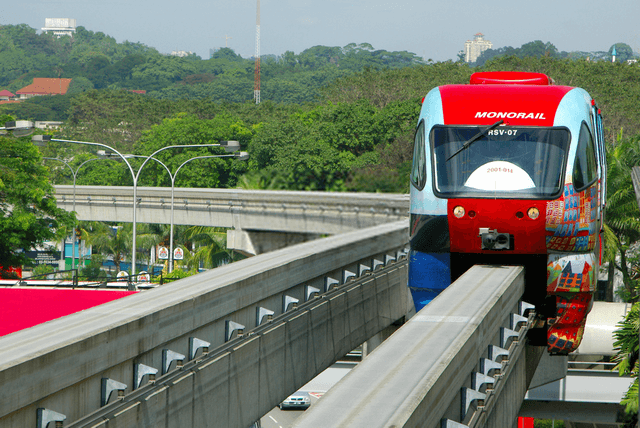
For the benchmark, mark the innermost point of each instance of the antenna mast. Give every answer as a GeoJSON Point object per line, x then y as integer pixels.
{"type": "Point", "coordinates": [256, 84]}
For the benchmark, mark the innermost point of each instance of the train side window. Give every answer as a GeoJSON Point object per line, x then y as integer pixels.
{"type": "Point", "coordinates": [585, 170]}
{"type": "Point", "coordinates": [419, 168]}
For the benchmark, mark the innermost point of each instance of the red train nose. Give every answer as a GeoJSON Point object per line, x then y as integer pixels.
{"type": "Point", "coordinates": [492, 225]}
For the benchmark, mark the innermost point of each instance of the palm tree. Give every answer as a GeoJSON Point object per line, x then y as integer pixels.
{"type": "Point", "coordinates": [626, 347]}
{"type": "Point", "coordinates": [148, 236]}
{"type": "Point", "coordinates": [622, 218]}
{"type": "Point", "coordinates": [210, 247]}
{"type": "Point", "coordinates": [110, 241]}
{"type": "Point", "coordinates": [622, 229]}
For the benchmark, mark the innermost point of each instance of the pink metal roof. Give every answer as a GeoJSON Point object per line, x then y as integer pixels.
{"type": "Point", "coordinates": [5, 93]}
{"type": "Point", "coordinates": [22, 308]}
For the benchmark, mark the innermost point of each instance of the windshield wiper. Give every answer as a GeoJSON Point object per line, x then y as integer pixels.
{"type": "Point", "coordinates": [475, 137]}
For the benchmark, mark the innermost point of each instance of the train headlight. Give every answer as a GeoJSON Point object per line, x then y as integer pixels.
{"type": "Point", "coordinates": [458, 211]}
{"type": "Point", "coordinates": [533, 213]}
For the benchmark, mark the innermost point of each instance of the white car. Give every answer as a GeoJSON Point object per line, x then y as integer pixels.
{"type": "Point", "coordinates": [299, 400]}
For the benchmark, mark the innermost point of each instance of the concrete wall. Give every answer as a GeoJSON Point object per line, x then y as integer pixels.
{"type": "Point", "coordinates": [59, 365]}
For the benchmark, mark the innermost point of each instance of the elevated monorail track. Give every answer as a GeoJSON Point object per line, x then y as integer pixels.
{"type": "Point", "coordinates": [264, 210]}
{"type": "Point", "coordinates": [209, 368]}
{"type": "Point", "coordinates": [462, 361]}
{"type": "Point", "coordinates": [64, 367]}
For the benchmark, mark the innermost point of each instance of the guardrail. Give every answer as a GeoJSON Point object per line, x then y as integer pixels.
{"type": "Point", "coordinates": [447, 366]}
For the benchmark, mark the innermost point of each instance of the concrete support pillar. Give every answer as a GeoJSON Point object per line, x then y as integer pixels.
{"type": "Point", "coordinates": [550, 368]}
{"type": "Point", "coordinates": [372, 343]}
{"type": "Point", "coordinates": [375, 341]}
{"type": "Point", "coordinates": [252, 243]}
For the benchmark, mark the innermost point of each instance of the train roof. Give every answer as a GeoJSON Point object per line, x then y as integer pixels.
{"type": "Point", "coordinates": [519, 98]}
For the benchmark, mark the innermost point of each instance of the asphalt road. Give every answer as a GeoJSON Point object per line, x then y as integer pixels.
{"type": "Point", "coordinates": [277, 418]}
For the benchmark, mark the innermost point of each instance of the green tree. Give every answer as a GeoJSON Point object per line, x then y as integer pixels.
{"type": "Point", "coordinates": [623, 52]}
{"type": "Point", "coordinates": [111, 242]}
{"type": "Point", "coordinates": [626, 347]}
{"type": "Point", "coordinates": [29, 216]}
{"type": "Point", "coordinates": [621, 216]}
{"type": "Point", "coordinates": [79, 84]}
{"type": "Point", "coordinates": [210, 247]}
{"type": "Point", "coordinates": [184, 129]}
{"type": "Point", "coordinates": [226, 54]}
{"type": "Point", "coordinates": [116, 118]}
{"type": "Point", "coordinates": [537, 48]}
{"type": "Point", "coordinates": [115, 242]}
{"type": "Point", "coordinates": [160, 71]}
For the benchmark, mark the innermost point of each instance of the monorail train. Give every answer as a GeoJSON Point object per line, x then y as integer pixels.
{"type": "Point", "coordinates": [510, 169]}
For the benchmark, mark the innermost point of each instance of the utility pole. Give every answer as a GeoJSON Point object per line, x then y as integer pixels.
{"type": "Point", "coordinates": [256, 83]}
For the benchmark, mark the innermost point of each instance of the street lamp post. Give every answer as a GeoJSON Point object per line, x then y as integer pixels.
{"type": "Point", "coordinates": [238, 155]}
{"type": "Point", "coordinates": [229, 147]}
{"type": "Point", "coordinates": [75, 174]}
{"type": "Point", "coordinates": [47, 138]}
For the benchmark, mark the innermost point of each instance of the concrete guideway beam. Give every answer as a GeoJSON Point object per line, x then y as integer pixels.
{"type": "Point", "coordinates": [282, 211]}
{"type": "Point", "coordinates": [59, 365]}
{"type": "Point", "coordinates": [252, 243]}
{"type": "Point", "coordinates": [602, 321]}
{"type": "Point", "coordinates": [407, 381]}
{"type": "Point", "coordinates": [238, 383]}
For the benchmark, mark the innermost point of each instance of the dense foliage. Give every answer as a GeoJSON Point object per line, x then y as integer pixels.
{"type": "Point", "coordinates": [29, 215]}
{"type": "Point", "coordinates": [358, 137]}
{"type": "Point", "coordinates": [97, 61]}
{"type": "Point", "coordinates": [538, 49]}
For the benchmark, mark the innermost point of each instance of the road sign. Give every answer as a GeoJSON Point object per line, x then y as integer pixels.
{"type": "Point", "coordinates": [163, 253]}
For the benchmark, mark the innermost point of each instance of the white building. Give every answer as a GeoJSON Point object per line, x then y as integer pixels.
{"type": "Point", "coordinates": [60, 26]}
{"type": "Point", "coordinates": [181, 54]}
{"type": "Point", "coordinates": [474, 48]}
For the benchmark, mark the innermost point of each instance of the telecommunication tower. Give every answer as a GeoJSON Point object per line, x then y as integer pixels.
{"type": "Point", "coordinates": [256, 83]}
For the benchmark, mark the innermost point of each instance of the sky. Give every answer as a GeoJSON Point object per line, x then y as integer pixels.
{"type": "Point", "coordinates": [431, 29]}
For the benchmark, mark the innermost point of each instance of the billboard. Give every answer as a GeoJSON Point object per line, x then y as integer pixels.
{"type": "Point", "coordinates": [51, 258]}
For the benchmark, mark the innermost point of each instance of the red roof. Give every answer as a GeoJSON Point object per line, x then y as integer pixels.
{"type": "Point", "coordinates": [5, 93]}
{"type": "Point", "coordinates": [46, 86]}
{"type": "Point", "coordinates": [22, 308]}
{"type": "Point", "coordinates": [9, 101]}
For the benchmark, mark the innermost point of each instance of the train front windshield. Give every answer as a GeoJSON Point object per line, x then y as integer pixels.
{"type": "Point", "coordinates": [499, 162]}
